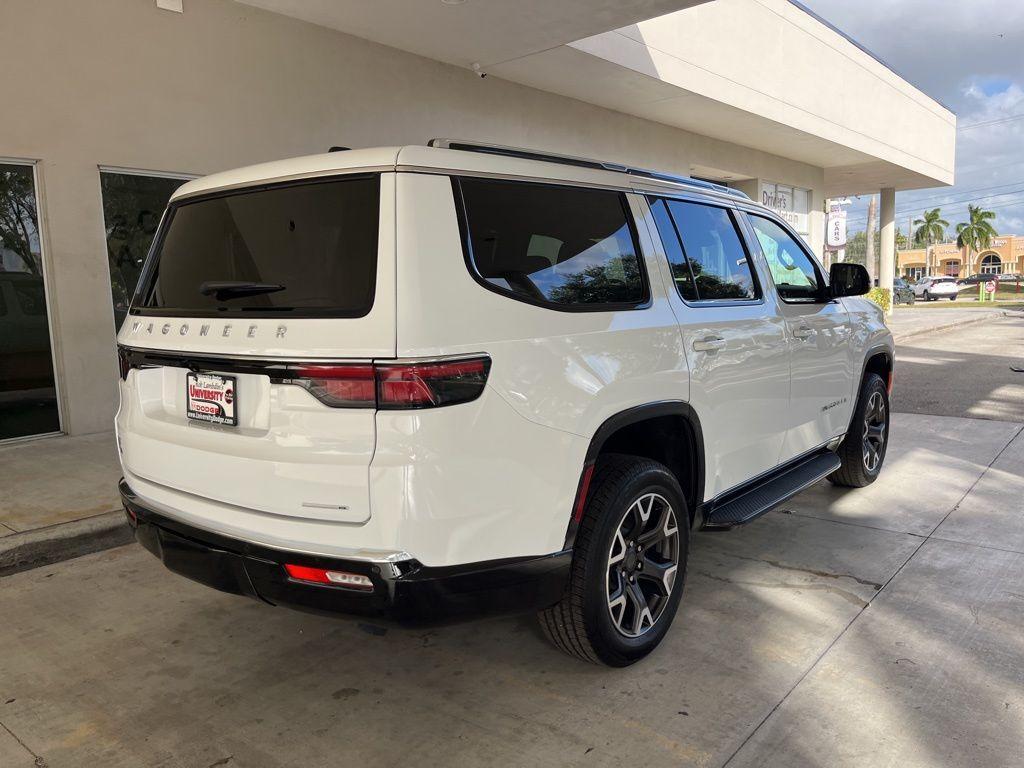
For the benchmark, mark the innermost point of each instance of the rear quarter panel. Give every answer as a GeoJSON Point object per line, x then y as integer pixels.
{"type": "Point", "coordinates": [513, 458]}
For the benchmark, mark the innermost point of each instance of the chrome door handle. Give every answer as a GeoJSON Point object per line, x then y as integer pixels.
{"type": "Point", "coordinates": [803, 332]}
{"type": "Point", "coordinates": [709, 344]}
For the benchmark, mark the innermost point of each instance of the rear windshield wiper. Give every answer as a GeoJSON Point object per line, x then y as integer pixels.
{"type": "Point", "coordinates": [222, 290]}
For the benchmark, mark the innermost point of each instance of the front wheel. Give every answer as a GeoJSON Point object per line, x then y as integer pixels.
{"type": "Point", "coordinates": [863, 449]}
{"type": "Point", "coordinates": [629, 565]}
{"type": "Point", "coordinates": [953, 297]}
{"type": "Point", "coordinates": [927, 296]}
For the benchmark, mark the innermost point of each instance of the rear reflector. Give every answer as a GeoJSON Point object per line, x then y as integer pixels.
{"type": "Point", "coordinates": [392, 385]}
{"type": "Point", "coordinates": [581, 496]}
{"type": "Point", "coordinates": [333, 578]}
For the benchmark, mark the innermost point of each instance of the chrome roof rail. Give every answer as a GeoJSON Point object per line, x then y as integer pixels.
{"type": "Point", "coordinates": [583, 162]}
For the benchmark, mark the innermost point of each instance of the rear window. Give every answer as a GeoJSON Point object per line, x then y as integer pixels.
{"type": "Point", "coordinates": [562, 247]}
{"type": "Point", "coordinates": [303, 249]}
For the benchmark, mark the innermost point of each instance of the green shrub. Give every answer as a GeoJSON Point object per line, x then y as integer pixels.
{"type": "Point", "coordinates": [882, 297]}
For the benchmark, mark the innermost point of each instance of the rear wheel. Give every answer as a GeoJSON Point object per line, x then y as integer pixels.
{"type": "Point", "coordinates": [953, 297]}
{"type": "Point", "coordinates": [863, 449]}
{"type": "Point", "coordinates": [629, 565]}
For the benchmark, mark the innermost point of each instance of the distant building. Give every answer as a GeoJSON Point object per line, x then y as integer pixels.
{"type": "Point", "coordinates": [1004, 257]}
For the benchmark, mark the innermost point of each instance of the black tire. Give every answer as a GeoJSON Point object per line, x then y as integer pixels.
{"type": "Point", "coordinates": [927, 296]}
{"type": "Point", "coordinates": [953, 297]}
{"type": "Point", "coordinates": [582, 623]}
{"type": "Point", "coordinates": [857, 469]}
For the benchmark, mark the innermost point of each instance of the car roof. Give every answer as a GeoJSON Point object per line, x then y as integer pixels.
{"type": "Point", "coordinates": [437, 159]}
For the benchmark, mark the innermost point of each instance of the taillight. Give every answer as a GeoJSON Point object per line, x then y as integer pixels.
{"type": "Point", "coordinates": [428, 385]}
{"type": "Point", "coordinates": [339, 386]}
{"type": "Point", "coordinates": [392, 386]}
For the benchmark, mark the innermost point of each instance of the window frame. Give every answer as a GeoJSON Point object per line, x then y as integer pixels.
{"type": "Point", "coordinates": [733, 213]}
{"type": "Point", "coordinates": [146, 276]}
{"type": "Point", "coordinates": [823, 296]}
{"type": "Point", "coordinates": [461, 214]}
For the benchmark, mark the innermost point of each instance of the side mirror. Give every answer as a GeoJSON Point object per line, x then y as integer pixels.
{"type": "Point", "coordinates": [848, 280]}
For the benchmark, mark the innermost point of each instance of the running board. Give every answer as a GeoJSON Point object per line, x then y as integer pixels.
{"type": "Point", "coordinates": [768, 493]}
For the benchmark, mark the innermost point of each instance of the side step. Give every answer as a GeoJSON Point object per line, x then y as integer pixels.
{"type": "Point", "coordinates": [753, 501]}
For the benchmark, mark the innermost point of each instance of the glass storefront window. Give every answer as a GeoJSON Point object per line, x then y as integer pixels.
{"type": "Point", "coordinates": [28, 394]}
{"type": "Point", "coordinates": [132, 206]}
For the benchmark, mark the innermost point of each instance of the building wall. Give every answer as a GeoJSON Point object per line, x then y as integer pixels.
{"type": "Point", "coordinates": [934, 260]}
{"type": "Point", "coordinates": [121, 83]}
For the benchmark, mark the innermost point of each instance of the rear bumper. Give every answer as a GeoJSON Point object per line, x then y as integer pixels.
{"type": "Point", "coordinates": [405, 591]}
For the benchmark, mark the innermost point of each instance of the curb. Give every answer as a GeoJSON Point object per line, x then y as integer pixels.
{"type": "Point", "coordinates": [45, 546]}
{"type": "Point", "coordinates": [985, 317]}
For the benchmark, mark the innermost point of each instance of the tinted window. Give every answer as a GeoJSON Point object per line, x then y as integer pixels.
{"type": "Point", "coordinates": [563, 246]}
{"type": "Point", "coordinates": [705, 251]}
{"type": "Point", "coordinates": [308, 249]}
{"type": "Point", "coordinates": [793, 271]}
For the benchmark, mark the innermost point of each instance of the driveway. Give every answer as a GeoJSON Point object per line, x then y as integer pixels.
{"type": "Point", "coordinates": [882, 626]}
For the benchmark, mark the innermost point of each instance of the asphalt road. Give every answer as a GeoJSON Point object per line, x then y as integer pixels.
{"type": "Point", "coordinates": [963, 371]}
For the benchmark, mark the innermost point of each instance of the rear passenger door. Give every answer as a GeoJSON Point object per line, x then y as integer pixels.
{"type": "Point", "coordinates": [734, 337]}
{"type": "Point", "coordinates": [818, 330]}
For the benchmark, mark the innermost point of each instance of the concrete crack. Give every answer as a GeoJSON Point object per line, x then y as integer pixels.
{"type": "Point", "coordinates": [844, 594]}
{"type": "Point", "coordinates": [812, 571]}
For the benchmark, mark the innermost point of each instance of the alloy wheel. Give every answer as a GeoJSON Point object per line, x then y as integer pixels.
{"type": "Point", "coordinates": [643, 560]}
{"type": "Point", "coordinates": [875, 424]}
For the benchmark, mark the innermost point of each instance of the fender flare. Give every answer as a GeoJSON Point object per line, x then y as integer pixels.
{"type": "Point", "coordinates": [625, 418]}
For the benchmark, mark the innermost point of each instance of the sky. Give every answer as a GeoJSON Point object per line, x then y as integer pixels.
{"type": "Point", "coordinates": [970, 57]}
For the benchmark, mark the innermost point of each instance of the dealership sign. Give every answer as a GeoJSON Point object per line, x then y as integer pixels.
{"type": "Point", "coordinates": [791, 203]}
{"type": "Point", "coordinates": [835, 229]}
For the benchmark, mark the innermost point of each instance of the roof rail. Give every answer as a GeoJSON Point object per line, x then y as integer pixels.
{"type": "Point", "coordinates": [583, 162]}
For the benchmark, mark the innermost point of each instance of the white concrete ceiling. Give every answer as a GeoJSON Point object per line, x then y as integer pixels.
{"type": "Point", "coordinates": [761, 74]}
{"type": "Point", "coordinates": [486, 32]}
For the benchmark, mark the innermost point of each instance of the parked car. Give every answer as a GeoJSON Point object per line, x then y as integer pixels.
{"type": "Point", "coordinates": [1001, 278]}
{"type": "Point", "coordinates": [435, 382]}
{"type": "Point", "coordinates": [936, 287]}
{"type": "Point", "coordinates": [902, 292]}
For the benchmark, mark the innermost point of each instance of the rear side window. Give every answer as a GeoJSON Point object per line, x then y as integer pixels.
{"type": "Point", "coordinates": [705, 252]}
{"type": "Point", "coordinates": [793, 272]}
{"type": "Point", "coordinates": [563, 247]}
{"type": "Point", "coordinates": [299, 250]}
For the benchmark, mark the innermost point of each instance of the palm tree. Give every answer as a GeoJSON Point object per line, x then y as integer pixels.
{"type": "Point", "coordinates": [931, 228]}
{"type": "Point", "coordinates": [976, 233]}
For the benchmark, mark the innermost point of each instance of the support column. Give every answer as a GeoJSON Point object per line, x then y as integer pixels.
{"type": "Point", "coordinates": [887, 260]}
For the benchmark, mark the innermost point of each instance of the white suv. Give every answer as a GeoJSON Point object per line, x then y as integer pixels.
{"type": "Point", "coordinates": [937, 287]}
{"type": "Point", "coordinates": [434, 382]}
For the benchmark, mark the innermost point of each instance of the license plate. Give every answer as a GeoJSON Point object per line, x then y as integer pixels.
{"type": "Point", "coordinates": [211, 398]}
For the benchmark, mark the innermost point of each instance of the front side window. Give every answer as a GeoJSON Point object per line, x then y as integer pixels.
{"type": "Point", "coordinates": [704, 251]}
{"type": "Point", "coordinates": [563, 247]}
{"type": "Point", "coordinates": [306, 249]}
{"type": "Point", "coordinates": [793, 271]}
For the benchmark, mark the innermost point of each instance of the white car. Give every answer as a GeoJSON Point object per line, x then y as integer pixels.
{"type": "Point", "coordinates": [936, 287]}
{"type": "Point", "coordinates": [452, 380]}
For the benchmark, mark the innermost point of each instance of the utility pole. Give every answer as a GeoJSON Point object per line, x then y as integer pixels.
{"type": "Point", "coordinates": [869, 242]}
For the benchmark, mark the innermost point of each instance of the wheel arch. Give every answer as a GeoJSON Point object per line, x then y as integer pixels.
{"type": "Point", "coordinates": [667, 431]}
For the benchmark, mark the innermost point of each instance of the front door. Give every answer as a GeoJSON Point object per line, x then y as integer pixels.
{"type": "Point", "coordinates": [28, 396]}
{"type": "Point", "coordinates": [735, 340]}
{"type": "Point", "coordinates": [818, 333]}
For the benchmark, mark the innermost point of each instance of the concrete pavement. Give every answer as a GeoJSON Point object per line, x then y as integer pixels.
{"type": "Point", "coordinates": [965, 372]}
{"type": "Point", "coordinates": [880, 626]}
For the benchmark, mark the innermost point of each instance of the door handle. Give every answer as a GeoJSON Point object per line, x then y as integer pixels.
{"type": "Point", "coordinates": [804, 332]}
{"type": "Point", "coordinates": [709, 344]}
